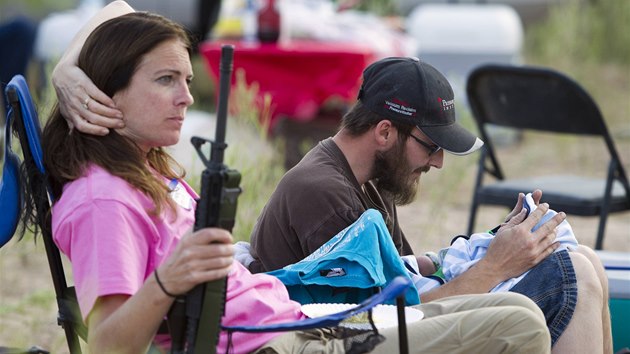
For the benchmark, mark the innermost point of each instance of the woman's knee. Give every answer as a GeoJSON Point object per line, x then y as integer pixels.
{"type": "Point", "coordinates": [588, 281]}
{"type": "Point", "coordinates": [597, 265]}
{"type": "Point", "coordinates": [590, 254]}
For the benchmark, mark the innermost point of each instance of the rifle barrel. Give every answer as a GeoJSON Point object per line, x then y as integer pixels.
{"type": "Point", "coordinates": [225, 77]}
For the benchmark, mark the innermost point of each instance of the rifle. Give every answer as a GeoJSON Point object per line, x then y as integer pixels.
{"type": "Point", "coordinates": [203, 307]}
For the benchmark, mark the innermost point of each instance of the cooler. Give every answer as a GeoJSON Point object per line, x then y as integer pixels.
{"type": "Point", "coordinates": [617, 266]}
{"type": "Point", "coordinates": [455, 38]}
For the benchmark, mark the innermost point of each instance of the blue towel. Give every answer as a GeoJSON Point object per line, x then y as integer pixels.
{"type": "Point", "coordinates": [349, 267]}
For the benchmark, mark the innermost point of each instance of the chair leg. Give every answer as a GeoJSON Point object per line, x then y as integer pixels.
{"type": "Point", "coordinates": [402, 326]}
{"type": "Point", "coordinates": [73, 340]}
{"type": "Point", "coordinates": [603, 216]}
{"type": "Point", "coordinates": [472, 216]}
{"type": "Point", "coordinates": [599, 242]}
{"type": "Point", "coordinates": [475, 197]}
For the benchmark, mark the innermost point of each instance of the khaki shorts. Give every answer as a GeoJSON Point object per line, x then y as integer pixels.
{"type": "Point", "coordinates": [487, 323]}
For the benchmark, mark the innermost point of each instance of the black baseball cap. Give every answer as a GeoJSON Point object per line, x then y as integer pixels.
{"type": "Point", "coordinates": [408, 90]}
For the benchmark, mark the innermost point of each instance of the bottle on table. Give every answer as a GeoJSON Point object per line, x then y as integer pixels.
{"type": "Point", "coordinates": [268, 22]}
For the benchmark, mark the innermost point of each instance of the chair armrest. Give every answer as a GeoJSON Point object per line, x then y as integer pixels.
{"type": "Point", "coordinates": [394, 289]}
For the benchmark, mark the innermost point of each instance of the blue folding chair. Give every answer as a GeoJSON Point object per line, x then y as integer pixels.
{"type": "Point", "coordinates": [10, 188]}
{"type": "Point", "coordinates": [22, 118]}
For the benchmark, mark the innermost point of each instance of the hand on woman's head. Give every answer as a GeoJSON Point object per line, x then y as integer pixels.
{"type": "Point", "coordinates": [83, 105]}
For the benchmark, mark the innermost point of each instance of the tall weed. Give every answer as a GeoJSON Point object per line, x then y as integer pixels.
{"type": "Point", "coordinates": [259, 159]}
{"type": "Point", "coordinates": [583, 31]}
{"type": "Point", "coordinates": [588, 40]}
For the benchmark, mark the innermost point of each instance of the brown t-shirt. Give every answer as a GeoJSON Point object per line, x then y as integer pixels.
{"type": "Point", "coordinates": [313, 202]}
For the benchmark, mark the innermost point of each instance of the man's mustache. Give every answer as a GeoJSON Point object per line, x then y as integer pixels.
{"type": "Point", "coordinates": [423, 169]}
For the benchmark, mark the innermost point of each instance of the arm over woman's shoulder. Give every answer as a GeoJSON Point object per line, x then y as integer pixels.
{"type": "Point", "coordinates": [84, 106]}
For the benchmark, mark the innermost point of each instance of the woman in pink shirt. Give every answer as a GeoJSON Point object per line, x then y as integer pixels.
{"type": "Point", "coordinates": [123, 213]}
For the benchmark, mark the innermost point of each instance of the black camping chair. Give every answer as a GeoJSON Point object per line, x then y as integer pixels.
{"type": "Point", "coordinates": [543, 100]}
{"type": "Point", "coordinates": [22, 118]}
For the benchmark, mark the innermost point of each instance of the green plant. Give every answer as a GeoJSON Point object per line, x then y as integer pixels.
{"type": "Point", "coordinates": [201, 87]}
{"type": "Point", "coordinates": [33, 8]}
{"type": "Point", "coordinates": [587, 40]}
{"type": "Point", "coordinates": [379, 7]}
{"type": "Point", "coordinates": [245, 107]}
{"type": "Point", "coordinates": [584, 31]}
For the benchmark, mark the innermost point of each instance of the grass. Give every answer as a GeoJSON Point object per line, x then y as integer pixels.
{"type": "Point", "coordinates": [259, 160]}
{"type": "Point", "coordinates": [570, 41]}
{"type": "Point", "coordinates": [588, 42]}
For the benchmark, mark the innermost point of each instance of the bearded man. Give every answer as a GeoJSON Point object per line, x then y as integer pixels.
{"type": "Point", "coordinates": [402, 123]}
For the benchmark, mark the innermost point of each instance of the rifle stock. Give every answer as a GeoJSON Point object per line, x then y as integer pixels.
{"type": "Point", "coordinates": [216, 207]}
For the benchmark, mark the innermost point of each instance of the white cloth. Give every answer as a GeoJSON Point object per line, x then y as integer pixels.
{"type": "Point", "coordinates": [464, 253]}
{"type": "Point", "coordinates": [242, 253]}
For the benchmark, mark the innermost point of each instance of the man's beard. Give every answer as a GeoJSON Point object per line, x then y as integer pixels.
{"type": "Point", "coordinates": [392, 173]}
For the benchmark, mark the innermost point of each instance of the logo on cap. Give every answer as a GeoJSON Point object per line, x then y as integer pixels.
{"type": "Point", "coordinates": [401, 107]}
{"type": "Point", "coordinates": [446, 105]}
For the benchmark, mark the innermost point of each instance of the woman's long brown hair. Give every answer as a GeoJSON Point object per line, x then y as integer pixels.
{"type": "Point", "coordinates": [110, 57]}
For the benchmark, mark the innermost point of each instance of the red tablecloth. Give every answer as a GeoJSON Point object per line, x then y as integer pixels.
{"type": "Point", "coordinates": [299, 76]}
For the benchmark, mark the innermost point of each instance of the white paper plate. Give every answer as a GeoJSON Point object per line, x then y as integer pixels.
{"type": "Point", "coordinates": [384, 316]}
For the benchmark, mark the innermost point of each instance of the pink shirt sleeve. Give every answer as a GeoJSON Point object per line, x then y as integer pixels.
{"type": "Point", "coordinates": [109, 248]}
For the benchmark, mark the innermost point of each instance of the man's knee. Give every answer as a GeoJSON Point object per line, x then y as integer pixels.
{"type": "Point", "coordinates": [528, 325]}
{"type": "Point", "coordinates": [519, 300]}
{"type": "Point", "coordinates": [512, 329]}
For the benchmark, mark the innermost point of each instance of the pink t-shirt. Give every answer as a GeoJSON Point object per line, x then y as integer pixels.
{"type": "Point", "coordinates": [104, 226]}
